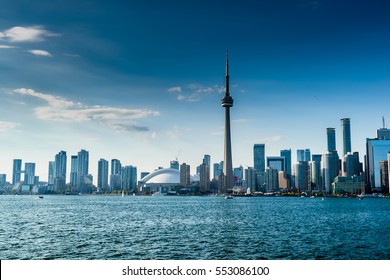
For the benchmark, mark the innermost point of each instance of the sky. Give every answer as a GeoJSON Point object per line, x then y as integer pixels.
{"type": "Point", "coordinates": [142, 81]}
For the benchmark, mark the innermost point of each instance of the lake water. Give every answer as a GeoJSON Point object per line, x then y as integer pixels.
{"type": "Point", "coordinates": [169, 227]}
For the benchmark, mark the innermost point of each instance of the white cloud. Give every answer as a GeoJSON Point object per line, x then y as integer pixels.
{"type": "Point", "coordinates": [61, 109]}
{"type": "Point", "coordinates": [6, 126]}
{"type": "Point", "coordinates": [26, 34]}
{"type": "Point", "coordinates": [6, 46]}
{"type": "Point", "coordinates": [40, 52]}
{"type": "Point", "coordinates": [175, 89]}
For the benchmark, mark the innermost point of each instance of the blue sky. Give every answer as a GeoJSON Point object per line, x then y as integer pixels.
{"type": "Point", "coordinates": [141, 81]}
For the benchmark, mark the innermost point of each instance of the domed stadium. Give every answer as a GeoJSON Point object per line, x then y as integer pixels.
{"type": "Point", "coordinates": [162, 180]}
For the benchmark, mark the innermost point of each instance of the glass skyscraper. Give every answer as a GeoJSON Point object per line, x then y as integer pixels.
{"type": "Point", "coordinates": [331, 137]}
{"type": "Point", "coordinates": [16, 172]}
{"type": "Point", "coordinates": [259, 157]}
{"type": "Point", "coordinates": [346, 125]}
{"type": "Point", "coordinates": [103, 175]}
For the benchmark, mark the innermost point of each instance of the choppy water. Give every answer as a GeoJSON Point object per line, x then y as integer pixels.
{"type": "Point", "coordinates": [108, 227]}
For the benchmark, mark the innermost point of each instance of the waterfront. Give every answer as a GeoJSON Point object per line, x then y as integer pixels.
{"type": "Point", "coordinates": [147, 227]}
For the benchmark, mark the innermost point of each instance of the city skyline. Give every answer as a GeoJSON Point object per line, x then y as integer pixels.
{"type": "Point", "coordinates": [142, 82]}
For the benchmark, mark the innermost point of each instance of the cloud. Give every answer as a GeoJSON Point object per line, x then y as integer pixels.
{"type": "Point", "coordinates": [26, 34]}
{"type": "Point", "coordinates": [175, 89]}
{"type": "Point", "coordinates": [6, 126]}
{"type": "Point", "coordinates": [39, 52]}
{"type": "Point", "coordinates": [6, 46]}
{"type": "Point", "coordinates": [61, 109]}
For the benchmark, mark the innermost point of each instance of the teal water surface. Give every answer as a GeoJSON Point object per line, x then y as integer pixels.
{"type": "Point", "coordinates": [168, 227]}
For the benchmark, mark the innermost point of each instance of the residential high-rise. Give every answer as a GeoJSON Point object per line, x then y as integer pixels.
{"type": "Point", "coordinates": [330, 161]}
{"type": "Point", "coordinates": [227, 102]}
{"type": "Point", "coordinates": [3, 180]}
{"type": "Point", "coordinates": [83, 180]}
{"type": "Point", "coordinates": [250, 178]}
{"type": "Point", "coordinates": [331, 137]}
{"type": "Point", "coordinates": [29, 173]}
{"type": "Point", "coordinates": [50, 179]}
{"type": "Point", "coordinates": [238, 173]}
{"type": "Point", "coordinates": [60, 171]}
{"type": "Point", "coordinates": [103, 175]}
{"type": "Point", "coordinates": [73, 170]}
{"type": "Point", "coordinates": [218, 169]}
{"type": "Point", "coordinates": [116, 175]}
{"type": "Point", "coordinates": [204, 178]}
{"type": "Point", "coordinates": [17, 171]}
{"type": "Point", "coordinates": [346, 125]}
{"type": "Point", "coordinates": [185, 175]}
{"type": "Point", "coordinates": [315, 175]}
{"type": "Point", "coordinates": [384, 166]}
{"type": "Point", "coordinates": [129, 178]}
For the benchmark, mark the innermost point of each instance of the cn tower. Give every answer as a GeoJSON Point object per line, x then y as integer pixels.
{"type": "Point", "coordinates": [227, 102]}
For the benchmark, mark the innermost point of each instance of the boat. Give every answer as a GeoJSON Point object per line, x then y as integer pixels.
{"type": "Point", "coordinates": [360, 196]}
{"type": "Point", "coordinates": [41, 196]}
{"type": "Point", "coordinates": [228, 197]}
{"type": "Point", "coordinates": [322, 199]}
{"type": "Point", "coordinates": [133, 194]}
{"type": "Point", "coordinates": [248, 192]}
{"type": "Point", "coordinates": [123, 193]}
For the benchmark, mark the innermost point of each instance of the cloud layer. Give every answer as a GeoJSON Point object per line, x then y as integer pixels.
{"type": "Point", "coordinates": [61, 109]}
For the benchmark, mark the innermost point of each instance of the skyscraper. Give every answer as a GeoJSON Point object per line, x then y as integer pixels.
{"type": "Point", "coordinates": [103, 174]}
{"type": "Point", "coordinates": [73, 170]}
{"type": "Point", "coordinates": [60, 171]}
{"type": "Point", "coordinates": [346, 125]}
{"type": "Point", "coordinates": [174, 164]}
{"type": "Point", "coordinates": [287, 155]}
{"type": "Point", "coordinates": [330, 161]}
{"type": "Point", "coordinates": [83, 180]}
{"type": "Point", "coordinates": [50, 179]}
{"type": "Point", "coordinates": [184, 175]}
{"type": "Point", "coordinates": [129, 178]}
{"type": "Point", "coordinates": [259, 157]}
{"type": "Point", "coordinates": [116, 175]}
{"type": "Point", "coordinates": [29, 173]}
{"type": "Point", "coordinates": [227, 102]}
{"type": "Point", "coordinates": [331, 137]}
{"type": "Point", "coordinates": [377, 150]}
{"type": "Point", "coordinates": [16, 172]}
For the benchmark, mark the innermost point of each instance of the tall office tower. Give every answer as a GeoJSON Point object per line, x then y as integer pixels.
{"type": "Point", "coordinates": [103, 175]}
{"type": "Point", "coordinates": [384, 166]}
{"type": "Point", "coordinates": [287, 156]}
{"type": "Point", "coordinates": [50, 179]}
{"type": "Point", "coordinates": [331, 137]}
{"type": "Point", "coordinates": [207, 160]}
{"type": "Point", "coordinates": [174, 164]}
{"type": "Point", "coordinates": [283, 182]}
{"type": "Point", "coordinates": [83, 180]}
{"type": "Point", "coordinates": [302, 176]}
{"type": "Point", "coordinates": [17, 171]}
{"type": "Point", "coordinates": [73, 170]}
{"type": "Point", "coordinates": [316, 158]}
{"type": "Point", "coordinates": [227, 102]}
{"type": "Point", "coordinates": [277, 163]}
{"type": "Point", "coordinates": [346, 125]}
{"type": "Point", "coordinates": [129, 178]}
{"type": "Point", "coordinates": [377, 150]}
{"type": "Point", "coordinates": [250, 178]}
{"type": "Point", "coordinates": [116, 166]}
{"type": "Point", "coordinates": [185, 175]}
{"type": "Point", "coordinates": [315, 175]}
{"type": "Point", "coordinates": [259, 157]}
{"type": "Point", "coordinates": [60, 171]}
{"type": "Point", "coordinates": [29, 173]}
{"type": "Point", "coordinates": [3, 180]}
{"type": "Point", "coordinates": [271, 178]}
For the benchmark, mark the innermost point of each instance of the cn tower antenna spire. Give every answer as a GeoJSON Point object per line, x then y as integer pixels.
{"type": "Point", "coordinates": [227, 73]}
